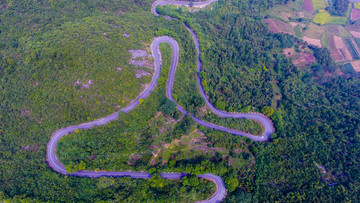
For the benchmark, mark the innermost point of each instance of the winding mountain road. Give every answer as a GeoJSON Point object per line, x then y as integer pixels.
{"type": "Point", "coordinates": [220, 192]}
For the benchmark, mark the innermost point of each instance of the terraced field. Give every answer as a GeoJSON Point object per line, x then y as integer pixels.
{"type": "Point", "coordinates": [350, 44]}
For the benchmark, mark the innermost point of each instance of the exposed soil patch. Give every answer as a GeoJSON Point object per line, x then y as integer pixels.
{"type": "Point", "coordinates": [153, 161]}
{"type": "Point", "coordinates": [289, 52]}
{"type": "Point", "coordinates": [137, 63]}
{"type": "Point", "coordinates": [30, 148]}
{"type": "Point", "coordinates": [328, 177]}
{"type": "Point", "coordinates": [301, 14]}
{"type": "Point", "coordinates": [140, 73]}
{"type": "Point", "coordinates": [203, 111]}
{"type": "Point", "coordinates": [312, 41]}
{"type": "Point", "coordinates": [299, 59]}
{"type": "Point", "coordinates": [25, 112]}
{"type": "Point", "coordinates": [83, 85]}
{"type": "Point", "coordinates": [355, 34]}
{"type": "Point", "coordinates": [140, 58]}
{"type": "Point", "coordinates": [355, 14]}
{"type": "Point", "coordinates": [336, 55]}
{"type": "Point", "coordinates": [133, 158]}
{"type": "Point", "coordinates": [139, 53]}
{"type": "Point", "coordinates": [339, 43]}
{"type": "Point", "coordinates": [303, 59]}
{"type": "Point", "coordinates": [293, 24]}
{"type": "Point", "coordinates": [126, 35]}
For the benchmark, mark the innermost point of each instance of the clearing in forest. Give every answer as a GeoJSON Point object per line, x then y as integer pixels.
{"type": "Point", "coordinates": [187, 147]}
{"type": "Point", "coordinates": [278, 26]}
{"type": "Point", "coordinates": [299, 59]}
{"type": "Point", "coordinates": [303, 59]}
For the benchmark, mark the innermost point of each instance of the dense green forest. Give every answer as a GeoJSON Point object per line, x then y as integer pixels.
{"type": "Point", "coordinates": [338, 7]}
{"type": "Point", "coordinates": [314, 153]}
{"type": "Point", "coordinates": [47, 46]}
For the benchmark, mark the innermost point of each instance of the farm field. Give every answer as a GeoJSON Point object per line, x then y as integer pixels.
{"type": "Point", "coordinates": [317, 4]}
{"type": "Point", "coordinates": [336, 20]}
{"type": "Point", "coordinates": [338, 30]}
{"type": "Point", "coordinates": [312, 41]}
{"type": "Point", "coordinates": [355, 34]}
{"type": "Point", "coordinates": [278, 26]}
{"type": "Point", "coordinates": [355, 14]}
{"type": "Point", "coordinates": [314, 31]}
{"type": "Point", "coordinates": [354, 50]}
{"type": "Point", "coordinates": [356, 65]}
{"type": "Point", "coordinates": [308, 6]}
{"type": "Point", "coordinates": [318, 27]}
{"type": "Point", "coordinates": [347, 68]}
{"type": "Point", "coordinates": [336, 54]}
{"type": "Point", "coordinates": [324, 39]}
{"type": "Point", "coordinates": [321, 17]}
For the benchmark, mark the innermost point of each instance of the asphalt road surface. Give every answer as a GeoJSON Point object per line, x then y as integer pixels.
{"type": "Point", "coordinates": [220, 192]}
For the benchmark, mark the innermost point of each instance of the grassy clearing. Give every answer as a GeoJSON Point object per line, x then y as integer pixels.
{"type": "Point", "coordinates": [298, 31]}
{"type": "Point", "coordinates": [184, 143]}
{"type": "Point", "coordinates": [321, 18]}
{"type": "Point", "coordinates": [336, 20]}
{"type": "Point", "coordinates": [314, 31]}
{"type": "Point", "coordinates": [325, 40]}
